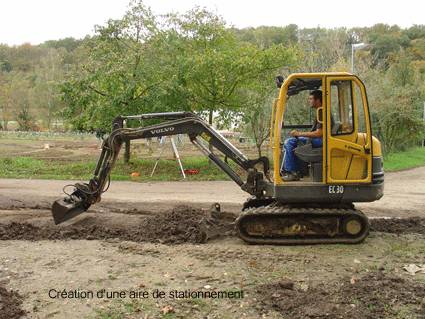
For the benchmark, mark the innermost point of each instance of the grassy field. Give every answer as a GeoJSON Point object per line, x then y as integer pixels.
{"type": "Point", "coordinates": [29, 167]}
{"type": "Point", "coordinates": [405, 160]}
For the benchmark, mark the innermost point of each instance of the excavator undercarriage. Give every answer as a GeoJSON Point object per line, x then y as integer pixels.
{"type": "Point", "coordinates": [286, 224]}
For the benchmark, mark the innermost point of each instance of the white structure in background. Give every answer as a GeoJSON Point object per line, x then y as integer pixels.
{"type": "Point", "coordinates": [354, 47]}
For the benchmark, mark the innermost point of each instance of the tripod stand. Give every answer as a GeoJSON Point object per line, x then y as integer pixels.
{"type": "Point", "coordinates": [175, 151]}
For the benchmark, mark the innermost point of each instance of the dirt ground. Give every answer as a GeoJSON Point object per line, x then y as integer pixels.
{"type": "Point", "coordinates": [151, 243]}
{"type": "Point", "coordinates": [10, 304]}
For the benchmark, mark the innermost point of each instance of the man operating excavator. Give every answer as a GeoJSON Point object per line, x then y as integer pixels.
{"type": "Point", "coordinates": [290, 162]}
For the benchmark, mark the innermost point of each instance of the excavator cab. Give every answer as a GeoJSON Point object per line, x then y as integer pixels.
{"type": "Point", "coordinates": [348, 167]}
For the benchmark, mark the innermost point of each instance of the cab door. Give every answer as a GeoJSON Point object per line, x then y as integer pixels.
{"type": "Point", "coordinates": [348, 133]}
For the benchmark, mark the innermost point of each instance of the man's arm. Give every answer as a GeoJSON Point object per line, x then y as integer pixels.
{"type": "Point", "coordinates": [313, 134]}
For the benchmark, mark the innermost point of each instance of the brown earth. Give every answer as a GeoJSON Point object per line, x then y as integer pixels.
{"type": "Point", "coordinates": [161, 250]}
{"type": "Point", "coordinates": [398, 225]}
{"type": "Point", "coordinates": [137, 238]}
{"type": "Point", "coordinates": [183, 224]}
{"type": "Point", "coordinates": [35, 266]}
{"type": "Point", "coordinates": [374, 295]}
{"type": "Point", "coordinates": [10, 304]}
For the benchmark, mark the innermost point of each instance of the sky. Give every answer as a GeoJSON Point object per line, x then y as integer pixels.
{"type": "Point", "coordinates": [33, 21]}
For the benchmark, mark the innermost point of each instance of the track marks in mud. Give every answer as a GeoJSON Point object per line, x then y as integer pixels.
{"type": "Point", "coordinates": [10, 304]}
{"type": "Point", "coordinates": [375, 295]}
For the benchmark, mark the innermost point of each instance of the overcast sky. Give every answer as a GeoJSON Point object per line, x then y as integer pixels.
{"type": "Point", "coordinates": [36, 21]}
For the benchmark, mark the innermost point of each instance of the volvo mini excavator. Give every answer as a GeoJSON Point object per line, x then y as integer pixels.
{"type": "Point", "coordinates": [348, 168]}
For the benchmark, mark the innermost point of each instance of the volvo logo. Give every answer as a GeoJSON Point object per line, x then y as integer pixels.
{"type": "Point", "coordinates": [163, 130]}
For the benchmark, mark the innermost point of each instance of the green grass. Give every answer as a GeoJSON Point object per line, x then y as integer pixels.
{"type": "Point", "coordinates": [414, 157]}
{"type": "Point", "coordinates": [167, 170]}
{"type": "Point", "coordinates": [27, 167]}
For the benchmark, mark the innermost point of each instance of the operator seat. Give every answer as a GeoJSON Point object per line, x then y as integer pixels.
{"type": "Point", "coordinates": [313, 156]}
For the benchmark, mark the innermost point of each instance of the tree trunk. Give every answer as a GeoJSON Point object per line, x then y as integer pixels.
{"type": "Point", "coordinates": [259, 149]}
{"type": "Point", "coordinates": [127, 152]}
{"type": "Point", "coordinates": [210, 122]}
{"type": "Point", "coordinates": [5, 122]}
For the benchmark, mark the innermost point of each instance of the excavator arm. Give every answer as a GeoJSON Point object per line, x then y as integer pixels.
{"type": "Point", "coordinates": [84, 195]}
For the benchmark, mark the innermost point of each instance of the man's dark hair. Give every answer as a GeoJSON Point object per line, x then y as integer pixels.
{"type": "Point", "coordinates": [317, 94]}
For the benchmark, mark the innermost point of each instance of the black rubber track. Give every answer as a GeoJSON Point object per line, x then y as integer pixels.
{"type": "Point", "coordinates": [286, 213]}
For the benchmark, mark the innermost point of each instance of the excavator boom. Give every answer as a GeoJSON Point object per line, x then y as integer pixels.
{"type": "Point", "coordinates": [174, 123]}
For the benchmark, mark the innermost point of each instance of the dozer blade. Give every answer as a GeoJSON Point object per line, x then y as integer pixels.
{"type": "Point", "coordinates": [67, 208]}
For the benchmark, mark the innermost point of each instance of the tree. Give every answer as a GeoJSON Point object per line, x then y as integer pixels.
{"type": "Point", "coordinates": [257, 118]}
{"type": "Point", "coordinates": [215, 66]}
{"type": "Point", "coordinates": [267, 36]}
{"type": "Point", "coordinates": [323, 48]}
{"type": "Point", "coordinates": [259, 93]}
{"type": "Point", "coordinates": [5, 98]}
{"type": "Point", "coordinates": [46, 90]}
{"type": "Point", "coordinates": [69, 44]}
{"type": "Point", "coordinates": [20, 99]}
{"type": "Point", "coordinates": [193, 63]}
{"type": "Point", "coordinates": [215, 73]}
{"type": "Point", "coordinates": [395, 100]}
{"type": "Point", "coordinates": [210, 62]}
{"type": "Point", "coordinates": [118, 74]}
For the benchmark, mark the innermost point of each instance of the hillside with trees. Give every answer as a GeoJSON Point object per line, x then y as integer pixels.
{"type": "Point", "coordinates": [196, 61]}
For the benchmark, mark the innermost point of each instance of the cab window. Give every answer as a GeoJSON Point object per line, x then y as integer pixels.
{"type": "Point", "coordinates": [342, 107]}
{"type": "Point", "coordinates": [361, 117]}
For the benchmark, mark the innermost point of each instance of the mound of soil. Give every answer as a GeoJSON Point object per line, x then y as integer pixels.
{"type": "Point", "coordinates": [375, 295]}
{"type": "Point", "coordinates": [10, 304]}
{"type": "Point", "coordinates": [182, 224]}
{"type": "Point", "coordinates": [398, 225]}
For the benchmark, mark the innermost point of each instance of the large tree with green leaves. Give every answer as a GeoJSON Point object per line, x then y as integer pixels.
{"type": "Point", "coordinates": [117, 74]}
{"type": "Point", "coordinates": [192, 62]}
{"type": "Point", "coordinates": [214, 69]}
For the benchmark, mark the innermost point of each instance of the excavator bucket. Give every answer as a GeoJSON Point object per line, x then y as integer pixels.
{"type": "Point", "coordinates": [67, 208]}
{"type": "Point", "coordinates": [74, 204]}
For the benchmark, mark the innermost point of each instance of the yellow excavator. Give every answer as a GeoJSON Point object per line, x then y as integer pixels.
{"type": "Point", "coordinates": [319, 208]}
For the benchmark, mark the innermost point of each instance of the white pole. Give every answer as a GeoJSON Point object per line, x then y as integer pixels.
{"type": "Point", "coordinates": [161, 145]}
{"type": "Point", "coordinates": [356, 46]}
{"type": "Point", "coordinates": [176, 153]}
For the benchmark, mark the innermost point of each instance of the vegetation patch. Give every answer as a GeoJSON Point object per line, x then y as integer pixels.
{"type": "Point", "coordinates": [167, 170]}
{"type": "Point", "coordinates": [405, 160]}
